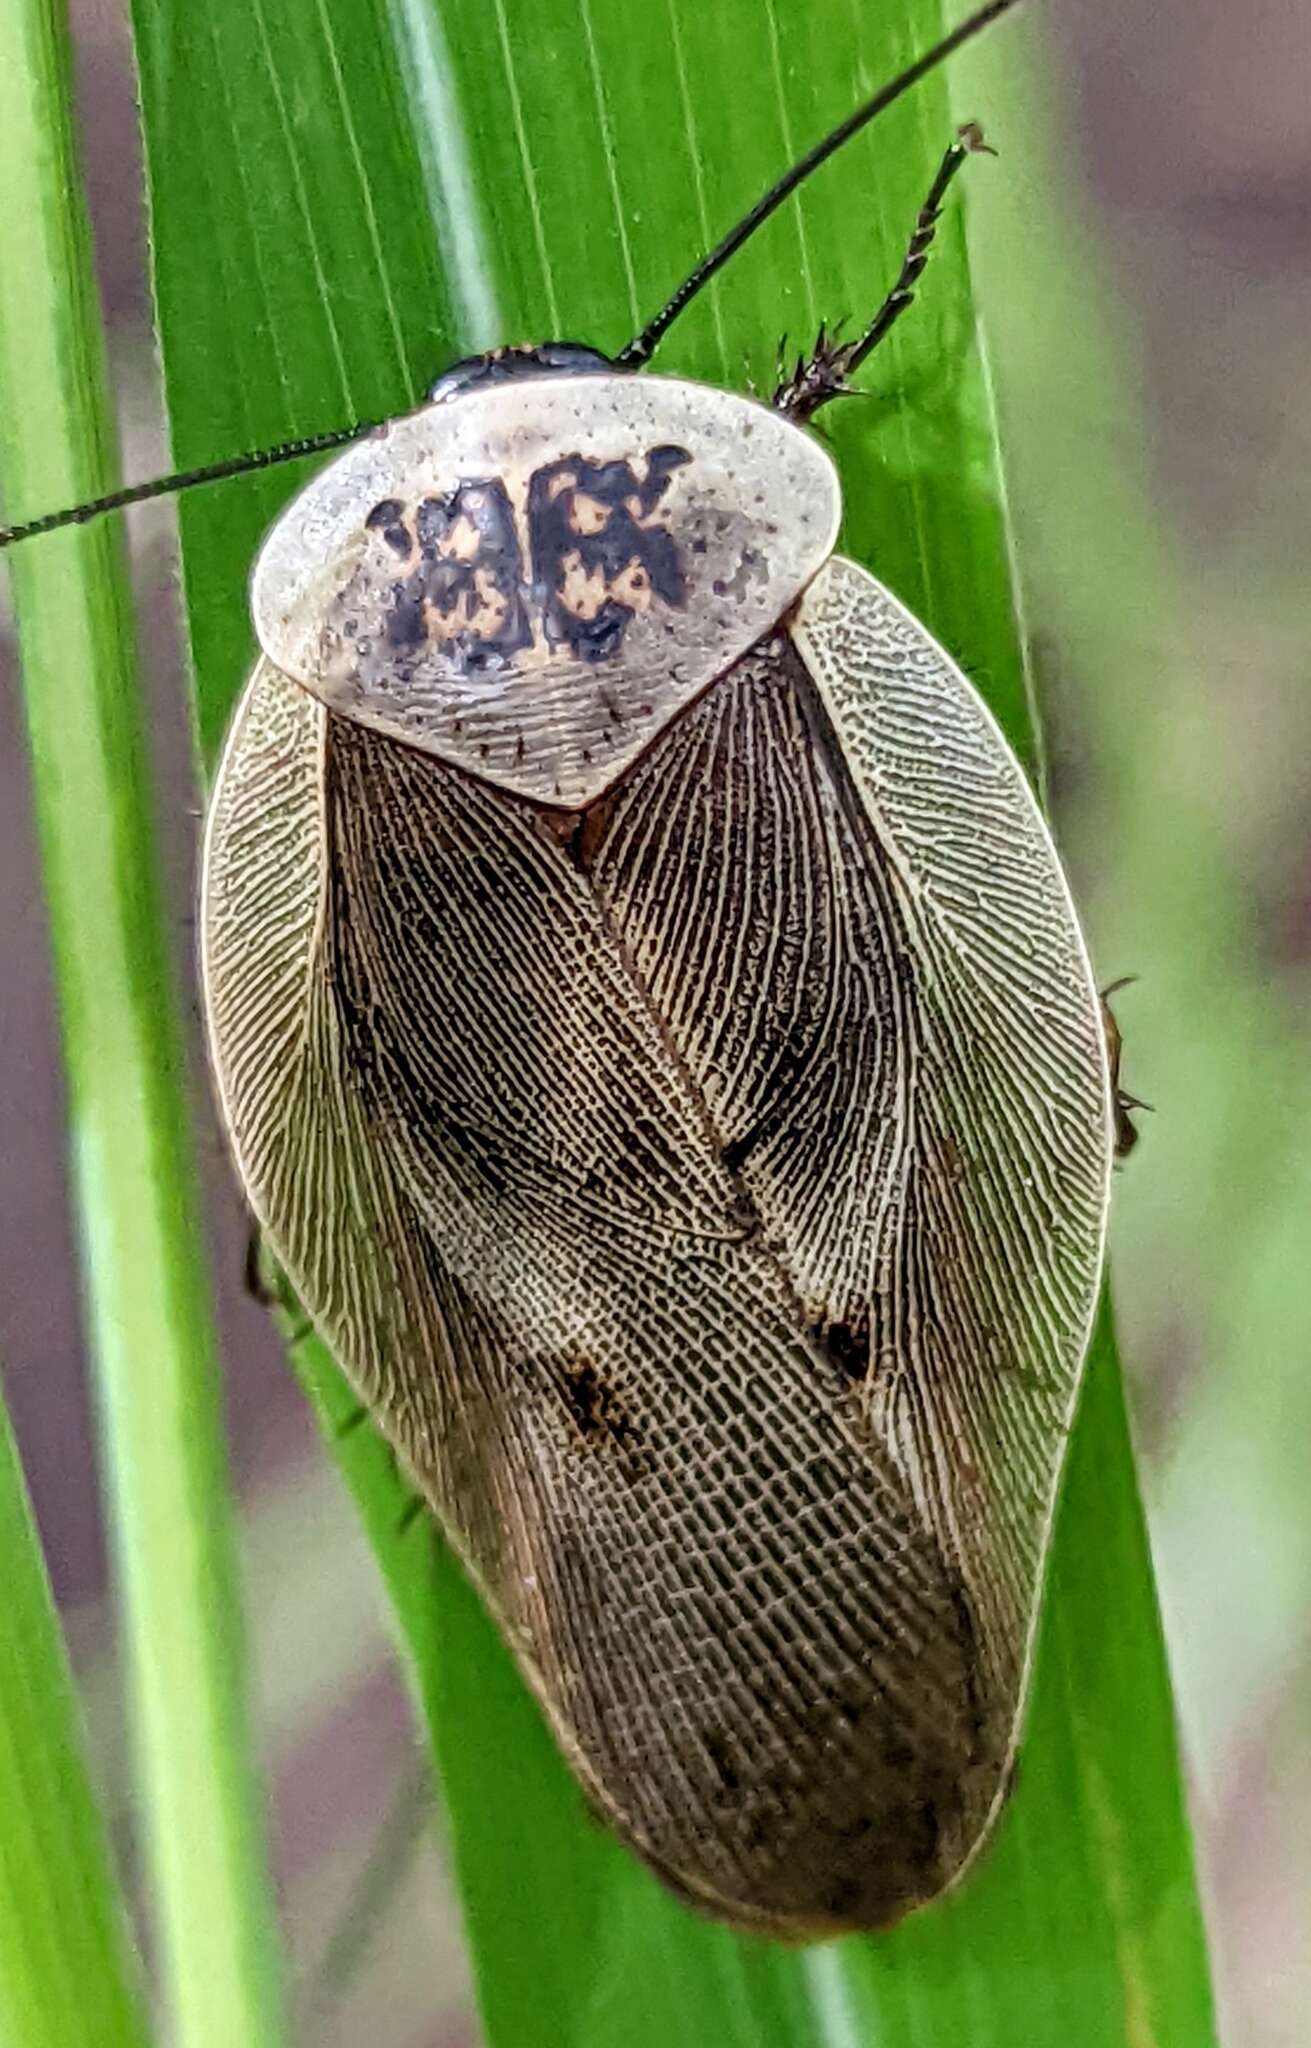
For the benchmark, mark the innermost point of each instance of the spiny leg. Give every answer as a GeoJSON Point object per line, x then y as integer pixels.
{"type": "Point", "coordinates": [824, 376]}
{"type": "Point", "coordinates": [1126, 1132]}
{"type": "Point", "coordinates": [265, 1282]}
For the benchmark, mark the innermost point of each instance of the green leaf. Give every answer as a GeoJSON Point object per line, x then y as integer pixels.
{"type": "Point", "coordinates": [68, 1977]}
{"type": "Point", "coordinates": [344, 199]}
{"type": "Point", "coordinates": [128, 1096]}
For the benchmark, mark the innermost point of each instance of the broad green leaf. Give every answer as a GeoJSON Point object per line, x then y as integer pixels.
{"type": "Point", "coordinates": [344, 199]}
{"type": "Point", "coordinates": [128, 1108]}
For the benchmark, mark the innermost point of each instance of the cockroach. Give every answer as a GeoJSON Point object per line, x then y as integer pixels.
{"type": "Point", "coordinates": [655, 1037]}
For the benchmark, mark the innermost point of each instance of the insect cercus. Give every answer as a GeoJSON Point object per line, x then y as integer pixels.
{"type": "Point", "coordinates": [655, 1037]}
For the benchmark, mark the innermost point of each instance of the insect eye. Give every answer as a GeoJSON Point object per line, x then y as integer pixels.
{"type": "Point", "coordinates": [535, 360]}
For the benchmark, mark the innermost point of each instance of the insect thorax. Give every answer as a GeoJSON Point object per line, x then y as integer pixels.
{"type": "Point", "coordinates": [530, 578]}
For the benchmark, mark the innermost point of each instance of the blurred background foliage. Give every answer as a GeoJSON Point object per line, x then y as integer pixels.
{"type": "Point", "coordinates": [1162, 519]}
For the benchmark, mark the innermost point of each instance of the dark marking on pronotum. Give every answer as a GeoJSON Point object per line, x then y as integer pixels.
{"type": "Point", "coordinates": [388, 519]}
{"type": "Point", "coordinates": [466, 589]}
{"type": "Point", "coordinates": [752, 568]}
{"type": "Point", "coordinates": [599, 554]}
{"type": "Point", "coordinates": [406, 625]}
{"type": "Point", "coordinates": [471, 574]}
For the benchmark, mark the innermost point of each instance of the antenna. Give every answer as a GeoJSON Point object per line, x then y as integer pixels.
{"type": "Point", "coordinates": [183, 479]}
{"type": "Point", "coordinates": [642, 347]}
{"type": "Point", "coordinates": [637, 352]}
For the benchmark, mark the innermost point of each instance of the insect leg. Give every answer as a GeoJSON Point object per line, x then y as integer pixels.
{"type": "Point", "coordinates": [824, 376]}
{"type": "Point", "coordinates": [265, 1282]}
{"type": "Point", "coordinates": [1126, 1133]}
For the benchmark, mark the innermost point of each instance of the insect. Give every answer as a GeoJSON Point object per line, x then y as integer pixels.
{"type": "Point", "coordinates": [654, 1034]}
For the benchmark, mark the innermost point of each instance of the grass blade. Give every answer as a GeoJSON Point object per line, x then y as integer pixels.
{"type": "Point", "coordinates": [68, 1976]}
{"type": "Point", "coordinates": [127, 1086]}
{"type": "Point", "coordinates": [570, 159]}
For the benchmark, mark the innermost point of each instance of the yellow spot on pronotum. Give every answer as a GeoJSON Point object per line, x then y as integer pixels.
{"type": "Point", "coordinates": [587, 514]}
{"type": "Point", "coordinates": [632, 586]}
{"type": "Point", "coordinates": [462, 542]}
{"type": "Point", "coordinates": [582, 591]}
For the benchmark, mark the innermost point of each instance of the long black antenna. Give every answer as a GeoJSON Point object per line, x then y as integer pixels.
{"type": "Point", "coordinates": [160, 486]}
{"type": "Point", "coordinates": [638, 351]}
{"type": "Point", "coordinates": [641, 348]}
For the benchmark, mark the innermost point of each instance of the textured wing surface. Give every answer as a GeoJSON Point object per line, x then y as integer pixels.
{"type": "Point", "coordinates": [848, 909]}
{"type": "Point", "coordinates": [587, 1144]}
{"type": "Point", "coordinates": [984, 1246]}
